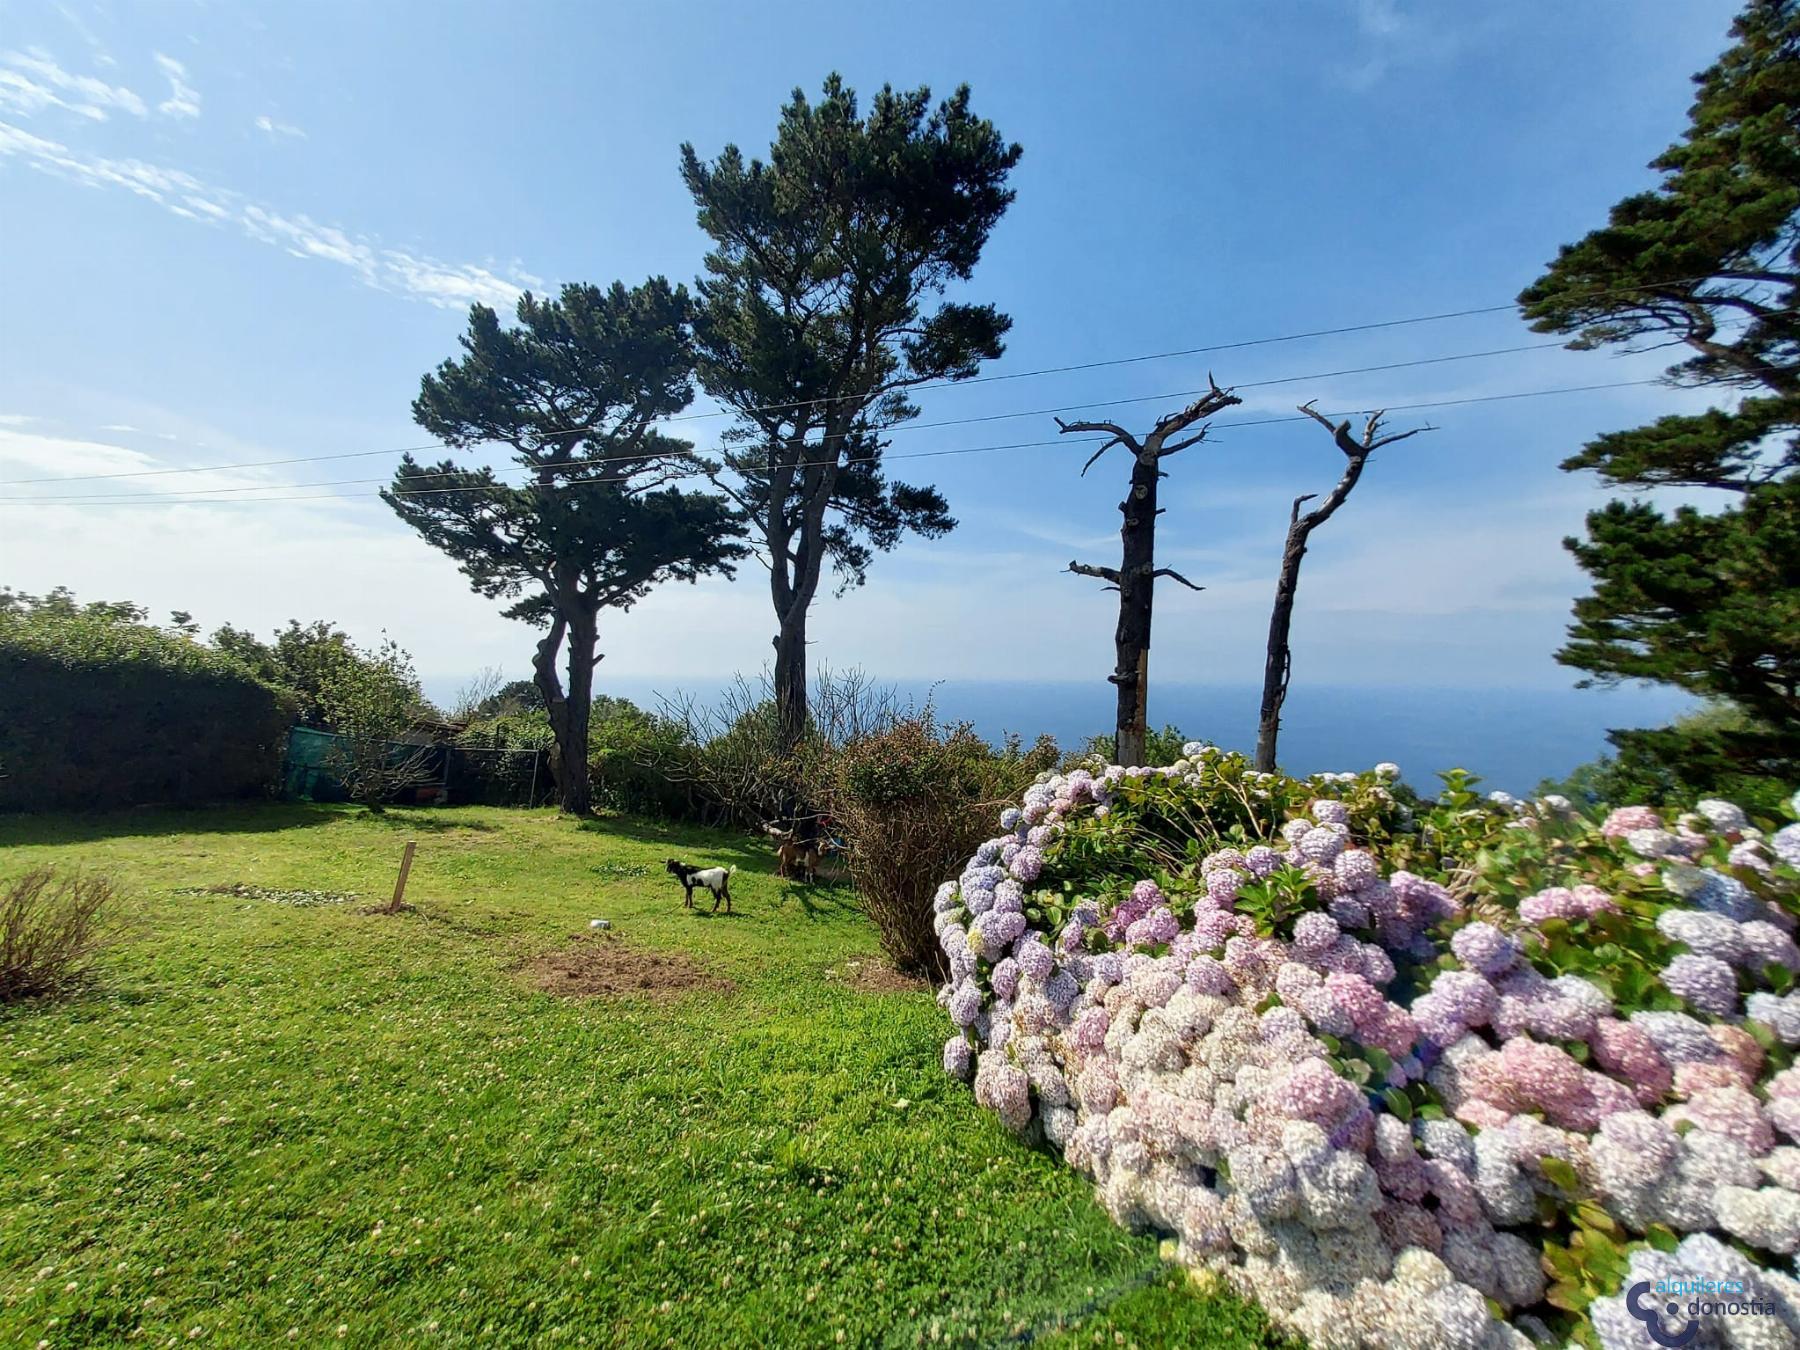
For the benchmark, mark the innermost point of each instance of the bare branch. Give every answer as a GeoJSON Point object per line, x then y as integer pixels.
{"type": "Point", "coordinates": [1300, 501]}
{"type": "Point", "coordinates": [1340, 431]}
{"type": "Point", "coordinates": [1212, 401]}
{"type": "Point", "coordinates": [1096, 455]}
{"type": "Point", "coordinates": [1098, 573]}
{"type": "Point", "coordinates": [1375, 443]}
{"type": "Point", "coordinates": [1171, 573]}
{"type": "Point", "coordinates": [1195, 439]}
{"type": "Point", "coordinates": [1119, 435]}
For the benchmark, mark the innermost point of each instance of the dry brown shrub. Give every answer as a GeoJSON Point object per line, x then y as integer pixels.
{"type": "Point", "coordinates": [51, 928]}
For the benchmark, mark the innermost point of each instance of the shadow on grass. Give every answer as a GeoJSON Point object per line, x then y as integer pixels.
{"type": "Point", "coordinates": [822, 901]}
{"type": "Point", "coordinates": [218, 818]}
{"type": "Point", "coordinates": [417, 820]}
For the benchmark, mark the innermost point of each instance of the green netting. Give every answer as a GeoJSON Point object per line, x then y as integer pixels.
{"type": "Point", "coordinates": [454, 774]}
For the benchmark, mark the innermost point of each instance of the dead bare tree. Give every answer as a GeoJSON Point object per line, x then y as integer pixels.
{"type": "Point", "coordinates": [1135, 577]}
{"type": "Point", "coordinates": [1279, 661]}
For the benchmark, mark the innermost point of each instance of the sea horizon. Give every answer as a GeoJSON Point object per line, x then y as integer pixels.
{"type": "Point", "coordinates": [1513, 738]}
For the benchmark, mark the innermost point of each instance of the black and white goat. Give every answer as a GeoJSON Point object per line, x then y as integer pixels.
{"type": "Point", "coordinates": [715, 879]}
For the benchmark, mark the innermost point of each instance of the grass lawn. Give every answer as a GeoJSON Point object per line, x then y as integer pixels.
{"type": "Point", "coordinates": [276, 1122]}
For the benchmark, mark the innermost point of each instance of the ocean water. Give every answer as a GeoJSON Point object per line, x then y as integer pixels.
{"type": "Point", "coordinates": [1513, 738]}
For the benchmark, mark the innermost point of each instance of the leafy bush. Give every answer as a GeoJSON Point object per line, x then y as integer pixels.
{"type": "Point", "coordinates": [1160, 747]}
{"type": "Point", "coordinates": [371, 702]}
{"type": "Point", "coordinates": [1714, 752]}
{"type": "Point", "coordinates": [630, 757]}
{"type": "Point", "coordinates": [911, 800]}
{"type": "Point", "coordinates": [101, 710]}
{"type": "Point", "coordinates": [1399, 1070]}
{"type": "Point", "coordinates": [329, 679]}
{"type": "Point", "coordinates": [50, 930]}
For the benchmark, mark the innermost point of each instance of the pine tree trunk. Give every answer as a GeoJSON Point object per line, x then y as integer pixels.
{"type": "Point", "coordinates": [572, 746]}
{"type": "Point", "coordinates": [1278, 659]}
{"type": "Point", "coordinates": [570, 711]}
{"type": "Point", "coordinates": [790, 679]}
{"type": "Point", "coordinates": [549, 684]}
{"type": "Point", "coordinates": [1136, 588]}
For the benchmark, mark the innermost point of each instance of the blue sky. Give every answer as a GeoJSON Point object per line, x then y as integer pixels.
{"type": "Point", "coordinates": [233, 233]}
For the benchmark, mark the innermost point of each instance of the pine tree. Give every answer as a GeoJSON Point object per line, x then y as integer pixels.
{"type": "Point", "coordinates": [575, 390]}
{"type": "Point", "coordinates": [820, 310]}
{"type": "Point", "coordinates": [1707, 600]}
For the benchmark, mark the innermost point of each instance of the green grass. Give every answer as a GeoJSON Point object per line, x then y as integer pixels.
{"type": "Point", "coordinates": [329, 1126]}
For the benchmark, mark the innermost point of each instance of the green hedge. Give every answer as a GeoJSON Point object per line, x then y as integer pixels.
{"type": "Point", "coordinates": [98, 712]}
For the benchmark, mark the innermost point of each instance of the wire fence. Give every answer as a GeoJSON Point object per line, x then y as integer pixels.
{"type": "Point", "coordinates": [447, 775]}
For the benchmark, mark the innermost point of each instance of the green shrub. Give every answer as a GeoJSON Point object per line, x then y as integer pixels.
{"type": "Point", "coordinates": [642, 763]}
{"type": "Point", "coordinates": [913, 801]}
{"type": "Point", "coordinates": [1715, 751]}
{"type": "Point", "coordinates": [102, 711]}
{"type": "Point", "coordinates": [1160, 747]}
{"type": "Point", "coordinates": [50, 930]}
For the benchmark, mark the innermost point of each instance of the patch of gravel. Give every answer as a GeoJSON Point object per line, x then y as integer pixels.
{"type": "Point", "coordinates": [273, 894]}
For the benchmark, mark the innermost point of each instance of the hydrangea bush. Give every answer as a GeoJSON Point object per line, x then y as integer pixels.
{"type": "Point", "coordinates": [1412, 1074]}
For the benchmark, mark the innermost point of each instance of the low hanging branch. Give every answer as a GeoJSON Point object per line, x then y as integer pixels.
{"type": "Point", "coordinates": [1278, 664]}
{"type": "Point", "coordinates": [1135, 577]}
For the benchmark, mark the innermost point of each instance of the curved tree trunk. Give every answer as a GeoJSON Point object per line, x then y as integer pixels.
{"type": "Point", "coordinates": [570, 711]}
{"type": "Point", "coordinates": [549, 684]}
{"type": "Point", "coordinates": [1279, 659]}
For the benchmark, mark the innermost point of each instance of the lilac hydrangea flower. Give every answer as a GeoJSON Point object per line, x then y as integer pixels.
{"type": "Point", "coordinates": [959, 1059]}
{"type": "Point", "coordinates": [1315, 933]}
{"type": "Point", "coordinates": [1628, 818]}
{"type": "Point", "coordinates": [1483, 947]}
{"type": "Point", "coordinates": [1157, 927]}
{"type": "Point", "coordinates": [1779, 1012]}
{"type": "Point", "coordinates": [1726, 817]}
{"type": "Point", "coordinates": [1328, 812]}
{"type": "Point", "coordinates": [1262, 860]}
{"type": "Point", "coordinates": [1725, 895]}
{"type": "Point", "coordinates": [1029, 864]}
{"type": "Point", "coordinates": [1004, 980]}
{"type": "Point", "coordinates": [1704, 981]}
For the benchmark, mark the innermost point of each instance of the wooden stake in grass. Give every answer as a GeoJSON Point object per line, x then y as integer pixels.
{"type": "Point", "coordinates": [400, 885]}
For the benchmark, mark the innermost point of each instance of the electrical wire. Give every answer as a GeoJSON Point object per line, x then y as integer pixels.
{"type": "Point", "coordinates": [172, 499]}
{"type": "Point", "coordinates": [940, 384]}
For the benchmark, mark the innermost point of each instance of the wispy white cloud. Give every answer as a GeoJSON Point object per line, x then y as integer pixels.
{"type": "Point", "coordinates": [31, 81]}
{"type": "Point", "coordinates": [23, 452]}
{"type": "Point", "coordinates": [183, 100]}
{"type": "Point", "coordinates": [419, 276]}
{"type": "Point", "coordinates": [1394, 37]}
{"type": "Point", "coordinates": [271, 127]}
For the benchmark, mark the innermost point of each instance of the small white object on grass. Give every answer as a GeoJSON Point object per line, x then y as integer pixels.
{"type": "Point", "coordinates": [599, 923]}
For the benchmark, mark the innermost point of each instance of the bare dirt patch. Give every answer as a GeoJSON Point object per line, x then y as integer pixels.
{"type": "Point", "coordinates": [604, 965]}
{"type": "Point", "coordinates": [873, 975]}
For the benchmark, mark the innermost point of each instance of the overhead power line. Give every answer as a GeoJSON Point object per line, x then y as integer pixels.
{"type": "Point", "coordinates": [939, 384]}
{"type": "Point", "coordinates": [220, 499]}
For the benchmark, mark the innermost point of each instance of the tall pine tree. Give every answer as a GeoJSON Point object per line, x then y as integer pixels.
{"type": "Point", "coordinates": [575, 390]}
{"type": "Point", "coordinates": [1704, 599]}
{"type": "Point", "coordinates": [821, 307]}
